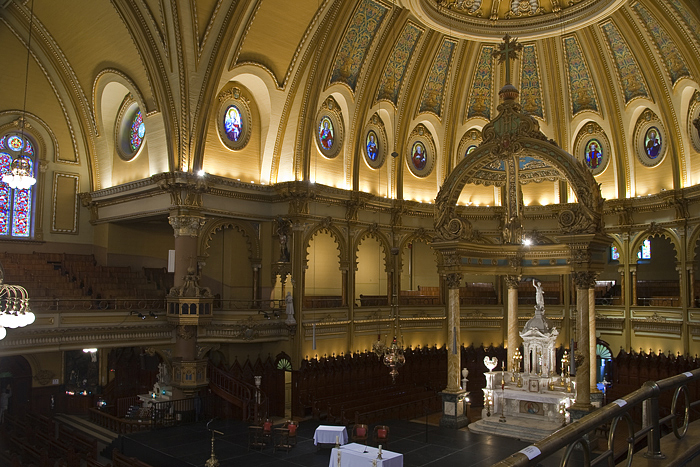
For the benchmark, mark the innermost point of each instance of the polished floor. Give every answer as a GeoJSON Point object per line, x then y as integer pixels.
{"type": "Point", "coordinates": [421, 445]}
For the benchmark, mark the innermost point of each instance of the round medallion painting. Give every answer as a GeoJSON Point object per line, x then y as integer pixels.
{"type": "Point", "coordinates": [233, 124]}
{"type": "Point", "coordinates": [325, 133]}
{"type": "Point", "coordinates": [469, 150]}
{"type": "Point", "coordinates": [372, 149]}
{"type": "Point", "coordinates": [593, 154]}
{"type": "Point", "coordinates": [418, 156]}
{"type": "Point", "coordinates": [652, 142]}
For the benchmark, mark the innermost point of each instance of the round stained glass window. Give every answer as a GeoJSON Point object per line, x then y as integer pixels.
{"type": "Point", "coordinates": [14, 143]}
{"type": "Point", "coordinates": [372, 148]}
{"type": "Point", "coordinates": [418, 156]}
{"type": "Point", "coordinates": [325, 133]}
{"type": "Point", "coordinates": [233, 125]}
{"type": "Point", "coordinates": [137, 131]}
{"type": "Point", "coordinates": [652, 142]}
{"type": "Point", "coordinates": [593, 154]}
{"type": "Point", "coordinates": [470, 149]}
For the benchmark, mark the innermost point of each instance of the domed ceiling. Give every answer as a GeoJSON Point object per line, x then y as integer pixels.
{"type": "Point", "coordinates": [613, 82]}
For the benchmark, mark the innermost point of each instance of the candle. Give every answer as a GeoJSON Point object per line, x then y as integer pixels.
{"type": "Point", "coordinates": [380, 449]}
{"type": "Point", "coordinates": [336, 439]}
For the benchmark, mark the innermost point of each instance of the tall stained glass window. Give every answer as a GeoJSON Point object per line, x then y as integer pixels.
{"type": "Point", "coordinates": [15, 205]}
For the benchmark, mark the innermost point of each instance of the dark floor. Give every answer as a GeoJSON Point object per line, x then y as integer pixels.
{"type": "Point", "coordinates": [421, 445]}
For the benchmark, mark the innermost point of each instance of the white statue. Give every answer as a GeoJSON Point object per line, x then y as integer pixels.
{"type": "Point", "coordinates": [289, 301]}
{"type": "Point", "coordinates": [539, 294]}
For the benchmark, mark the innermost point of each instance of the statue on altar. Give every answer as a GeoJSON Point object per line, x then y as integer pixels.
{"type": "Point", "coordinates": [539, 294]}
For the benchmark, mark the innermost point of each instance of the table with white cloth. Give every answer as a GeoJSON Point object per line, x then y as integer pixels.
{"type": "Point", "coordinates": [327, 434]}
{"type": "Point", "coordinates": [354, 455]}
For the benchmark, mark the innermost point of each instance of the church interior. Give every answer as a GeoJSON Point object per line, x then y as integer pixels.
{"type": "Point", "coordinates": [279, 207]}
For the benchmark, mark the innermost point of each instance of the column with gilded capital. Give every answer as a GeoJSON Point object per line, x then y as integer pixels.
{"type": "Point", "coordinates": [453, 395]}
{"type": "Point", "coordinates": [186, 228]}
{"type": "Point", "coordinates": [513, 327]}
{"type": "Point", "coordinates": [584, 280]}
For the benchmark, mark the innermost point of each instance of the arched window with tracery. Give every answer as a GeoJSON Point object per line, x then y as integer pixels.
{"type": "Point", "coordinates": [16, 205]}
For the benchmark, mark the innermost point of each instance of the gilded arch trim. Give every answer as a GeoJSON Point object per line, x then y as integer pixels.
{"type": "Point", "coordinates": [249, 233]}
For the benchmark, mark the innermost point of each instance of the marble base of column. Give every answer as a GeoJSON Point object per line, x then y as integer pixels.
{"type": "Point", "coordinates": [453, 408]}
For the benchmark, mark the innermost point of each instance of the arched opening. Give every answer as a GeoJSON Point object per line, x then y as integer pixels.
{"type": "Point", "coordinates": [420, 282]}
{"type": "Point", "coordinates": [228, 271]}
{"type": "Point", "coordinates": [370, 277]}
{"type": "Point", "coordinates": [657, 279]}
{"type": "Point", "coordinates": [323, 284]}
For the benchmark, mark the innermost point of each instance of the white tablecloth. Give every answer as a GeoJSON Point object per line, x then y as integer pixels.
{"type": "Point", "coordinates": [326, 434]}
{"type": "Point", "coordinates": [353, 455]}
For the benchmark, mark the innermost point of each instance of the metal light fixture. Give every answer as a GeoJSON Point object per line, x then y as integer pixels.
{"type": "Point", "coordinates": [14, 306]}
{"type": "Point", "coordinates": [394, 358]}
{"type": "Point", "coordinates": [20, 175]}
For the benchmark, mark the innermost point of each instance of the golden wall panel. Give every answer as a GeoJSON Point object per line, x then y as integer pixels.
{"type": "Point", "coordinates": [64, 203]}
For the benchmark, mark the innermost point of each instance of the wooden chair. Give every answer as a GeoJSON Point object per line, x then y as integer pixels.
{"type": "Point", "coordinates": [256, 438]}
{"type": "Point", "coordinates": [292, 426]}
{"type": "Point", "coordinates": [281, 440]}
{"type": "Point", "coordinates": [381, 435]}
{"type": "Point", "coordinates": [360, 433]}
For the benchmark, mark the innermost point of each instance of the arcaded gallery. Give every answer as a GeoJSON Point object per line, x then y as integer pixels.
{"type": "Point", "coordinates": [349, 232]}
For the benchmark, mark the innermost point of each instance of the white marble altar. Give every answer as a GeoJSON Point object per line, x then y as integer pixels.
{"type": "Point", "coordinates": [531, 404]}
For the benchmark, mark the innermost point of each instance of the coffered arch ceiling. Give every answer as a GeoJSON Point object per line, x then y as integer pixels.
{"type": "Point", "coordinates": [410, 62]}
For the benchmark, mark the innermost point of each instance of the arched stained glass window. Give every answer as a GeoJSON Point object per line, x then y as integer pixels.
{"type": "Point", "coordinates": [15, 205]}
{"type": "Point", "coordinates": [137, 131]}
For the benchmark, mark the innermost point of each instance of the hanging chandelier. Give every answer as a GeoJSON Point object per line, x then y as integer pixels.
{"type": "Point", "coordinates": [394, 358]}
{"type": "Point", "coordinates": [14, 306]}
{"type": "Point", "coordinates": [20, 176]}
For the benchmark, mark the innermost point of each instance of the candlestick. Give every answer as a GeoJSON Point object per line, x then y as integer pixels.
{"type": "Point", "coordinates": [379, 454]}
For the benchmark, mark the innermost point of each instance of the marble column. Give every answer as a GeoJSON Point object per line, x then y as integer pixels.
{"type": "Point", "coordinates": [513, 328]}
{"type": "Point", "coordinates": [592, 336]}
{"type": "Point", "coordinates": [453, 395]}
{"type": "Point", "coordinates": [584, 280]}
{"type": "Point", "coordinates": [633, 280]}
{"type": "Point", "coordinates": [453, 333]}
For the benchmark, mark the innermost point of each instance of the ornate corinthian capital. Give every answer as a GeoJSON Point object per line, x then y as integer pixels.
{"type": "Point", "coordinates": [186, 226]}
{"type": "Point", "coordinates": [453, 280]}
{"type": "Point", "coordinates": [512, 281]}
{"type": "Point", "coordinates": [585, 279]}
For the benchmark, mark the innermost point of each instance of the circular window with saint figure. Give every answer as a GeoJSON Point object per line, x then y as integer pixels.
{"type": "Point", "coordinates": [593, 154]}
{"type": "Point", "coordinates": [326, 134]}
{"type": "Point", "coordinates": [233, 123]}
{"type": "Point", "coordinates": [652, 142]}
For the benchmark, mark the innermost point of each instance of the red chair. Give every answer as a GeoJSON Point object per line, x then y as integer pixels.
{"type": "Point", "coordinates": [360, 433]}
{"type": "Point", "coordinates": [292, 426]}
{"type": "Point", "coordinates": [267, 430]}
{"type": "Point", "coordinates": [381, 435]}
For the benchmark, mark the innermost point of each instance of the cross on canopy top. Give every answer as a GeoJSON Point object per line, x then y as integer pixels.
{"type": "Point", "coordinates": [508, 51]}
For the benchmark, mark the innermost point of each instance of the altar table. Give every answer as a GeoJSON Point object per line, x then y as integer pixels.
{"type": "Point", "coordinates": [326, 434]}
{"type": "Point", "coordinates": [354, 455]}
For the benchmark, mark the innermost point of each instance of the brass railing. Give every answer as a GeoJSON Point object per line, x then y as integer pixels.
{"type": "Point", "coordinates": [576, 435]}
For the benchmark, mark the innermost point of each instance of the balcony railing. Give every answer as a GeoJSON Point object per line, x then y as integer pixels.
{"type": "Point", "coordinates": [574, 437]}
{"type": "Point", "coordinates": [97, 304]}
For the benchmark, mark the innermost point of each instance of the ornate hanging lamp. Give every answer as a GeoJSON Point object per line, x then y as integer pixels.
{"type": "Point", "coordinates": [20, 175]}
{"type": "Point", "coordinates": [14, 306]}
